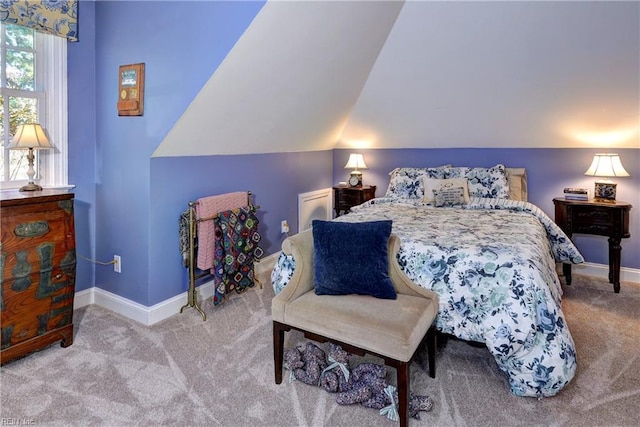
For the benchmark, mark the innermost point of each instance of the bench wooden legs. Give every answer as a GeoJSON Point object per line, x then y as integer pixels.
{"type": "Point", "coordinates": [402, 368]}
{"type": "Point", "coordinates": [431, 350]}
{"type": "Point", "coordinates": [278, 348]}
{"type": "Point", "coordinates": [403, 378]}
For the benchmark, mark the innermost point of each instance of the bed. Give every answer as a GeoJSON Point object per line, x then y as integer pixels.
{"type": "Point", "coordinates": [470, 235]}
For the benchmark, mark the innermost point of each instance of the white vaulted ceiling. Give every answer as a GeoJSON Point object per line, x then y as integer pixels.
{"type": "Point", "coordinates": [290, 81]}
{"type": "Point", "coordinates": [316, 75]}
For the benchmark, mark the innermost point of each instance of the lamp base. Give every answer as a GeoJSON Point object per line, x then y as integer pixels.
{"type": "Point", "coordinates": [31, 187]}
{"type": "Point", "coordinates": [605, 191]}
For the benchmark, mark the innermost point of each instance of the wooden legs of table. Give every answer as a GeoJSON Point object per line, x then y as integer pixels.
{"type": "Point", "coordinates": [614, 263]}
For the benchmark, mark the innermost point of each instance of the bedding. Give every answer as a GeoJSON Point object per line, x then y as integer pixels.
{"type": "Point", "coordinates": [492, 262]}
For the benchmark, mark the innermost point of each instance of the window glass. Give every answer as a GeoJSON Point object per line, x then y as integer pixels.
{"type": "Point", "coordinates": [33, 90]}
{"type": "Point", "coordinates": [20, 68]}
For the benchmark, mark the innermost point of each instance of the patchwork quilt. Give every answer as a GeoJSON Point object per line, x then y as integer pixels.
{"type": "Point", "coordinates": [236, 247]}
{"type": "Point", "coordinates": [492, 263]}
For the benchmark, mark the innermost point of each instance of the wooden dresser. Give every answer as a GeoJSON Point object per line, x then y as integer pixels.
{"type": "Point", "coordinates": [37, 269]}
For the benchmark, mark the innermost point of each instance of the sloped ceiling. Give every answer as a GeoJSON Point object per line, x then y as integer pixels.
{"type": "Point", "coordinates": [290, 82]}
{"type": "Point", "coordinates": [504, 74]}
{"type": "Point", "coordinates": [310, 76]}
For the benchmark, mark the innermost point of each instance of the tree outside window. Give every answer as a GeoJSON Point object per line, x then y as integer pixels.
{"type": "Point", "coordinates": [21, 96]}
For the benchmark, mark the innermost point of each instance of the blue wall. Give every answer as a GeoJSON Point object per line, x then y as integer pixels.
{"type": "Point", "coordinates": [128, 203]}
{"type": "Point", "coordinates": [549, 171]}
{"type": "Point", "coordinates": [81, 81]}
{"type": "Point", "coordinates": [274, 179]}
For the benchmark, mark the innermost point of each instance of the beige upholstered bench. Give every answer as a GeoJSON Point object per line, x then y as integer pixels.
{"type": "Point", "coordinates": [391, 329]}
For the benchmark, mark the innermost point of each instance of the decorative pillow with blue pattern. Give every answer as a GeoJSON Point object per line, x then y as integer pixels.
{"type": "Point", "coordinates": [407, 183]}
{"type": "Point", "coordinates": [483, 182]}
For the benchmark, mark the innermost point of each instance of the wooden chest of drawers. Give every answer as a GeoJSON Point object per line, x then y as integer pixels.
{"type": "Point", "coordinates": [37, 268]}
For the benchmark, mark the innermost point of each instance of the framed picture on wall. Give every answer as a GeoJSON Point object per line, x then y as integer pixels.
{"type": "Point", "coordinates": [131, 90]}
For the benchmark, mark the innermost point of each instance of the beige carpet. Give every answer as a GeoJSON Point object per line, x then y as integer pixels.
{"type": "Point", "coordinates": [184, 371]}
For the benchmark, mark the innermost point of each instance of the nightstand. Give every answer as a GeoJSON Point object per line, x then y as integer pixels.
{"type": "Point", "coordinates": [346, 197]}
{"type": "Point", "coordinates": [609, 219]}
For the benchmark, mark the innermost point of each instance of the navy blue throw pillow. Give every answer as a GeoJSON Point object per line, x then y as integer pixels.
{"type": "Point", "coordinates": [351, 258]}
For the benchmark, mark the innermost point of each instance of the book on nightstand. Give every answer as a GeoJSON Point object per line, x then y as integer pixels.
{"type": "Point", "coordinates": [572, 193]}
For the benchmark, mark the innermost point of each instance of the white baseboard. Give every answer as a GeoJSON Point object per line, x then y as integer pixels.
{"type": "Point", "coordinates": [602, 271]}
{"type": "Point", "coordinates": [138, 312]}
{"type": "Point", "coordinates": [165, 309]}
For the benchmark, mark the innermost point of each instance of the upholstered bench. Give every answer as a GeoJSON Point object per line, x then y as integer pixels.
{"type": "Point", "coordinates": [391, 329]}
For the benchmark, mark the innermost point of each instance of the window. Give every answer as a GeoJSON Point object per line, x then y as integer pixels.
{"type": "Point", "coordinates": [33, 89]}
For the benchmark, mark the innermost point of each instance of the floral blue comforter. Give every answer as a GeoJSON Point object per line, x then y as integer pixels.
{"type": "Point", "coordinates": [492, 262]}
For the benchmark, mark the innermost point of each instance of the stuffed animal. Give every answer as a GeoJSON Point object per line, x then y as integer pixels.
{"type": "Point", "coordinates": [306, 364]}
{"type": "Point", "coordinates": [370, 388]}
{"type": "Point", "coordinates": [335, 377]}
{"type": "Point", "coordinates": [293, 361]}
{"type": "Point", "coordinates": [418, 403]}
{"type": "Point", "coordinates": [366, 386]}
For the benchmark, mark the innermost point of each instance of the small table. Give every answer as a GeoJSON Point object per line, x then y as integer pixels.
{"type": "Point", "coordinates": [601, 218]}
{"type": "Point", "coordinates": [346, 197]}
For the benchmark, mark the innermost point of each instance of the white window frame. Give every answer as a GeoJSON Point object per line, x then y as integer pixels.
{"type": "Point", "coordinates": [51, 81]}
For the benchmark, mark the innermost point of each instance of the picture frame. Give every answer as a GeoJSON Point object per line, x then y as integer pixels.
{"type": "Point", "coordinates": [605, 191]}
{"type": "Point", "coordinates": [131, 90]}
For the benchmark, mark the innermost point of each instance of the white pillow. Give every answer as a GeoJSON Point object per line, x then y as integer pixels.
{"type": "Point", "coordinates": [431, 184]}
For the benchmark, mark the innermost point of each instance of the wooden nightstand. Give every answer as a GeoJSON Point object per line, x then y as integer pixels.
{"type": "Point", "coordinates": [347, 197]}
{"type": "Point", "coordinates": [609, 219]}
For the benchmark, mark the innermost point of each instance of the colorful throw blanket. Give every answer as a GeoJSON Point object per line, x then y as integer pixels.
{"type": "Point", "coordinates": [236, 247]}
{"type": "Point", "coordinates": [183, 233]}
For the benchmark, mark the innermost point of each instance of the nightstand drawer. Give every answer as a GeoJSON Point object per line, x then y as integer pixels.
{"type": "Point", "coordinates": [349, 199]}
{"type": "Point", "coordinates": [591, 215]}
{"type": "Point", "coordinates": [593, 228]}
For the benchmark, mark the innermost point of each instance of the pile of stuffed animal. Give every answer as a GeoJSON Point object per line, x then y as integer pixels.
{"type": "Point", "coordinates": [366, 384]}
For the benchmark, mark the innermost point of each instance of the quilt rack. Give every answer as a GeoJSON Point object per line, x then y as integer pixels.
{"type": "Point", "coordinates": [193, 220]}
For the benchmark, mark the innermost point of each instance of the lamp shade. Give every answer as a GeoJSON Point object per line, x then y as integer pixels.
{"type": "Point", "coordinates": [356, 161]}
{"type": "Point", "coordinates": [607, 165]}
{"type": "Point", "coordinates": [30, 136]}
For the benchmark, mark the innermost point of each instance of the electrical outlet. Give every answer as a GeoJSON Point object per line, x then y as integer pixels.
{"type": "Point", "coordinates": [117, 265]}
{"type": "Point", "coordinates": [284, 226]}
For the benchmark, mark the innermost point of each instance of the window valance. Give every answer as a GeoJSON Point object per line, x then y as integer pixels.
{"type": "Point", "coordinates": [58, 17]}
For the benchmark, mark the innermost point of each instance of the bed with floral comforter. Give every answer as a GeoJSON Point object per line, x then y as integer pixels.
{"type": "Point", "coordinates": [492, 262]}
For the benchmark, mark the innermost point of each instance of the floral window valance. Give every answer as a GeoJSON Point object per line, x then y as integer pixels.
{"type": "Point", "coordinates": [58, 17]}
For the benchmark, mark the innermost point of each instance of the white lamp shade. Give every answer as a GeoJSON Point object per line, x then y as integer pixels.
{"type": "Point", "coordinates": [30, 136]}
{"type": "Point", "coordinates": [356, 161]}
{"type": "Point", "coordinates": [607, 165]}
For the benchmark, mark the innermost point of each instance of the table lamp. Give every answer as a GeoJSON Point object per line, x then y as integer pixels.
{"type": "Point", "coordinates": [606, 165]}
{"type": "Point", "coordinates": [30, 137]}
{"type": "Point", "coordinates": [355, 162]}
